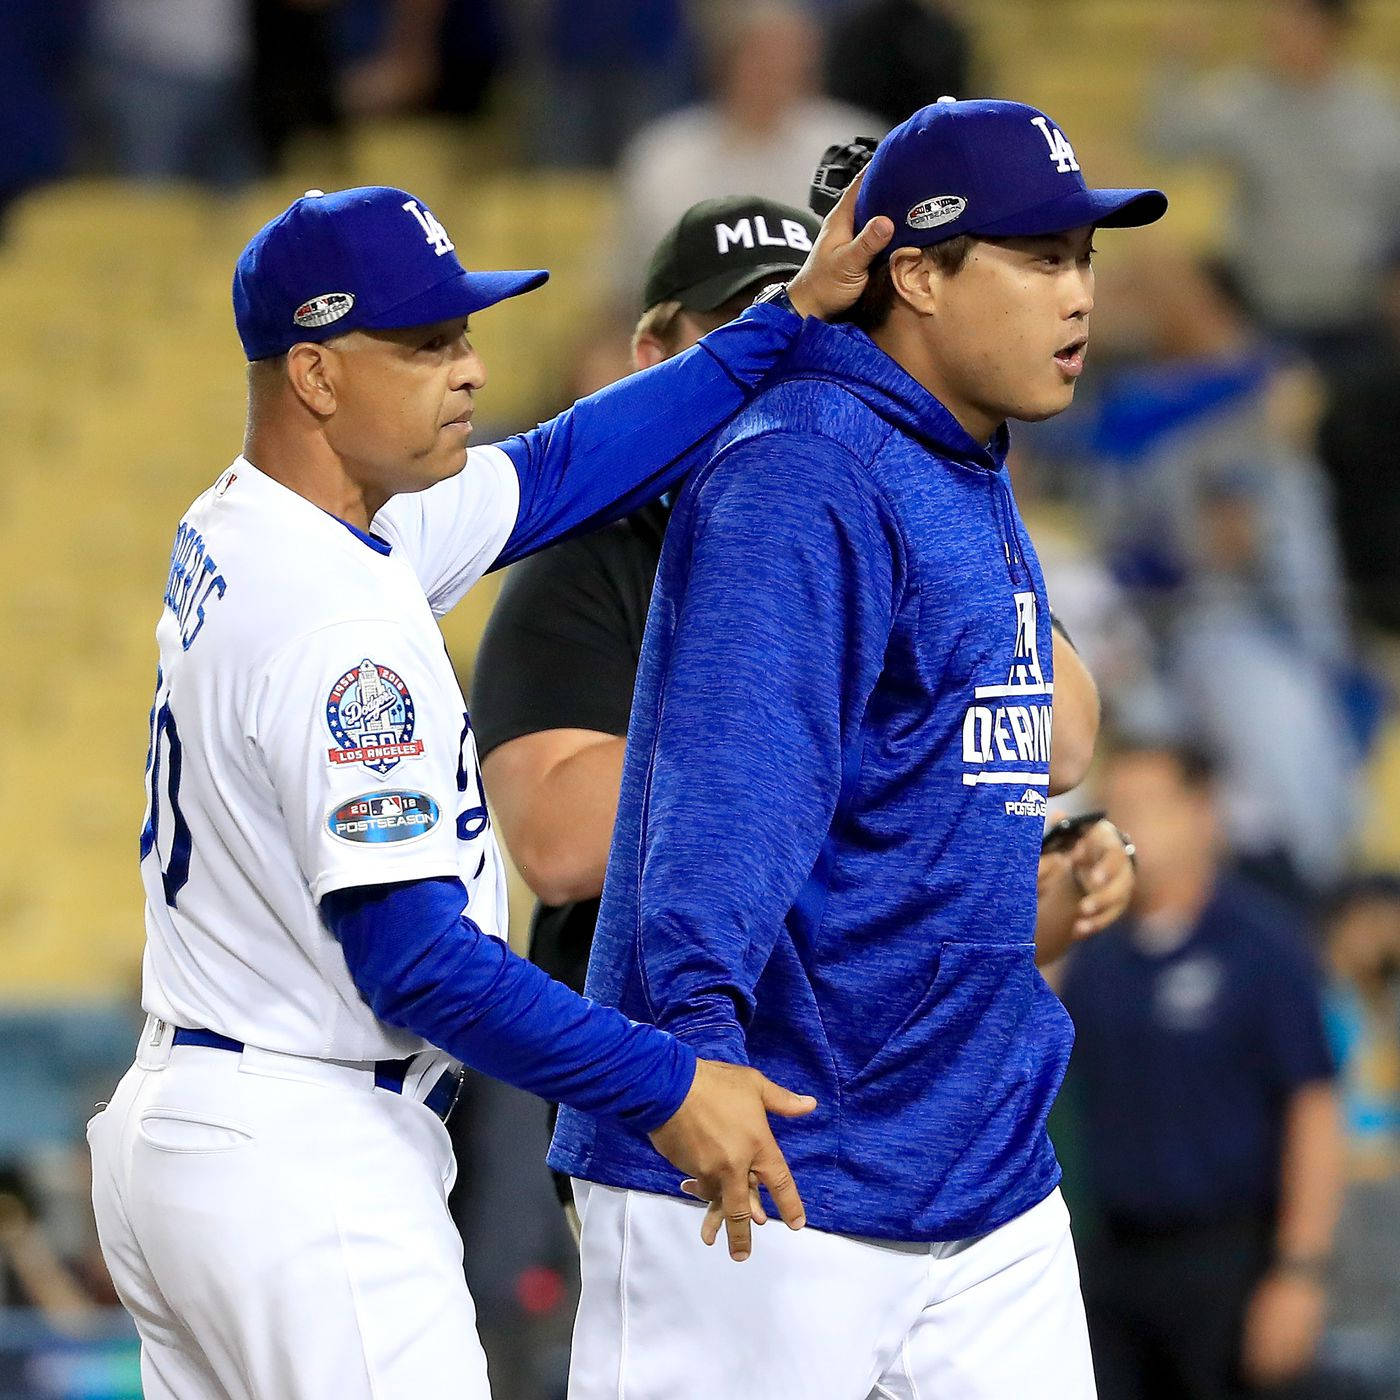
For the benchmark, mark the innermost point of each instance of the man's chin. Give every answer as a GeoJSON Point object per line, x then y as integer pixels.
{"type": "Point", "coordinates": [451, 464]}
{"type": "Point", "coordinates": [429, 473]}
{"type": "Point", "coordinates": [1038, 413]}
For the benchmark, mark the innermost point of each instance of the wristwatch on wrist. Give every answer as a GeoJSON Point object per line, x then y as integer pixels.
{"type": "Point", "coordinates": [776, 294]}
{"type": "Point", "coordinates": [1129, 849]}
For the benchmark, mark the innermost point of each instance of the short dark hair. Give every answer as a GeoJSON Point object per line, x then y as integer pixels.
{"type": "Point", "coordinates": [1376, 885]}
{"type": "Point", "coordinates": [877, 300]}
{"type": "Point", "coordinates": [1197, 765]}
{"type": "Point", "coordinates": [1338, 11]}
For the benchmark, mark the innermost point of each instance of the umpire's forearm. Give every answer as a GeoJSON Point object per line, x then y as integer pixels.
{"type": "Point", "coordinates": [556, 810]}
{"type": "Point", "coordinates": [1075, 727]}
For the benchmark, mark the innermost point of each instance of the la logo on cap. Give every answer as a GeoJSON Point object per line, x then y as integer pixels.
{"type": "Point", "coordinates": [432, 230]}
{"type": "Point", "coordinates": [1061, 152]}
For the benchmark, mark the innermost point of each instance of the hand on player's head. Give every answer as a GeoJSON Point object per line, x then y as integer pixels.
{"type": "Point", "coordinates": [721, 1139]}
{"type": "Point", "coordinates": [834, 275]}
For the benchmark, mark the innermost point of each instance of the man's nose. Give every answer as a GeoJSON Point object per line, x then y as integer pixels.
{"type": "Point", "coordinates": [468, 371]}
{"type": "Point", "coordinates": [1082, 301]}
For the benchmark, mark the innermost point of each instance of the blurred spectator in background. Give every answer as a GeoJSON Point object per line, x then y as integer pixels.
{"type": "Point", "coordinates": [38, 46]}
{"type": "Point", "coordinates": [892, 57]}
{"type": "Point", "coordinates": [171, 86]}
{"type": "Point", "coordinates": [32, 1272]}
{"type": "Point", "coordinates": [416, 55]}
{"type": "Point", "coordinates": [763, 130]}
{"type": "Point", "coordinates": [1363, 944]}
{"type": "Point", "coordinates": [1363, 1021]}
{"type": "Point", "coordinates": [1314, 145]}
{"type": "Point", "coordinates": [1215, 521]}
{"type": "Point", "coordinates": [393, 48]}
{"type": "Point", "coordinates": [1359, 443]}
{"type": "Point", "coordinates": [600, 70]}
{"type": "Point", "coordinates": [319, 62]}
{"type": "Point", "coordinates": [1209, 1121]}
{"type": "Point", "coordinates": [294, 78]}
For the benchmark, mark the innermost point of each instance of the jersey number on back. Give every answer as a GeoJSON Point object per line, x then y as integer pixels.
{"type": "Point", "coordinates": [163, 760]}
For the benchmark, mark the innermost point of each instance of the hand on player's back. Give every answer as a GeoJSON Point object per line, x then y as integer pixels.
{"type": "Point", "coordinates": [720, 1137]}
{"type": "Point", "coordinates": [834, 275]}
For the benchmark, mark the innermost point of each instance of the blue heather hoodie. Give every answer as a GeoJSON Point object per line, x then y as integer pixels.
{"type": "Point", "coordinates": [825, 856]}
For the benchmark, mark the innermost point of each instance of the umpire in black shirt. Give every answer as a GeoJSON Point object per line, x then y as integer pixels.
{"type": "Point", "coordinates": [558, 661]}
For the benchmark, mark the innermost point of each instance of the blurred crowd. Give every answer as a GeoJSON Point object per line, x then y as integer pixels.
{"type": "Point", "coordinates": [1219, 520]}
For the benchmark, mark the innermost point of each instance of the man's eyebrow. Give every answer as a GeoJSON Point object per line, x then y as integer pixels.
{"type": "Point", "coordinates": [1060, 241]}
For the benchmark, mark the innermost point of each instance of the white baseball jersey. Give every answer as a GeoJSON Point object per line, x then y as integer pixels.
{"type": "Point", "coordinates": [309, 734]}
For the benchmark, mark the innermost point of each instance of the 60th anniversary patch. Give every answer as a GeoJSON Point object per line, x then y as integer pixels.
{"type": "Point", "coordinates": [375, 818]}
{"type": "Point", "coordinates": [370, 714]}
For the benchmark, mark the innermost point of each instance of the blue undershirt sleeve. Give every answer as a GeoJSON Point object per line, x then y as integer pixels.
{"type": "Point", "coordinates": [631, 442]}
{"type": "Point", "coordinates": [422, 965]}
{"type": "Point", "coordinates": [781, 630]}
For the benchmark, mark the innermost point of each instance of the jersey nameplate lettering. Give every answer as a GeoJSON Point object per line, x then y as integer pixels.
{"type": "Point", "coordinates": [194, 580]}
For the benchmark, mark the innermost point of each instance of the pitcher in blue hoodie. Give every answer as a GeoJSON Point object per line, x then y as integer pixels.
{"type": "Point", "coordinates": [825, 856]}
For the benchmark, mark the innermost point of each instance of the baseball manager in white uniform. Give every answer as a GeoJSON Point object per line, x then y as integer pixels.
{"type": "Point", "coordinates": [325, 901]}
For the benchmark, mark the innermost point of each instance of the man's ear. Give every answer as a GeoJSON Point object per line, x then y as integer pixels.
{"type": "Point", "coordinates": [915, 279]}
{"type": "Point", "coordinates": [648, 351]}
{"type": "Point", "coordinates": [310, 371]}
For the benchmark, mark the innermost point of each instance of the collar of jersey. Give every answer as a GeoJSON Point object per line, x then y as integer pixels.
{"type": "Point", "coordinates": [373, 541]}
{"type": "Point", "coordinates": [379, 546]}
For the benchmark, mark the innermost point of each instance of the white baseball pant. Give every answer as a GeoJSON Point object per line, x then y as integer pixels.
{"type": "Point", "coordinates": [818, 1316]}
{"type": "Point", "coordinates": [279, 1228]}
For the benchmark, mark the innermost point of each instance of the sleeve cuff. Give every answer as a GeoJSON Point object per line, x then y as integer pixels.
{"type": "Point", "coordinates": [713, 1038]}
{"type": "Point", "coordinates": [668, 1104]}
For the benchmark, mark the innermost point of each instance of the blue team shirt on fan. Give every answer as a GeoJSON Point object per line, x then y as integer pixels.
{"type": "Point", "coordinates": [1186, 1061]}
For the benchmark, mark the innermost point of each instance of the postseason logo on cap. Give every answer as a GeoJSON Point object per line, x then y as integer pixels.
{"type": "Point", "coordinates": [322, 310]}
{"type": "Point", "coordinates": [941, 209]}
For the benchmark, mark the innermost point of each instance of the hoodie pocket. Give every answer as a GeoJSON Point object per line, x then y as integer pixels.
{"type": "Point", "coordinates": [965, 1041]}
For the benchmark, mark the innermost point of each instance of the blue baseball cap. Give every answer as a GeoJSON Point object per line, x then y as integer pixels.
{"type": "Point", "coordinates": [373, 258]}
{"type": "Point", "coordinates": [998, 169]}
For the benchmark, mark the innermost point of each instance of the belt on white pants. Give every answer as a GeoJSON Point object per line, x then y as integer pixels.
{"type": "Point", "coordinates": [412, 1077]}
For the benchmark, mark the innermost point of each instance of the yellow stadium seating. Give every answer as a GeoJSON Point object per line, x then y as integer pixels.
{"type": "Point", "coordinates": [122, 396]}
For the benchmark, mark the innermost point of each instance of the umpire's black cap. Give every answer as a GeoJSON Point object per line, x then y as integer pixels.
{"type": "Point", "coordinates": [721, 246]}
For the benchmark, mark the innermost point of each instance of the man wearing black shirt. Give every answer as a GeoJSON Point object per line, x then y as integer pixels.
{"type": "Point", "coordinates": [558, 661]}
{"type": "Point", "coordinates": [554, 676]}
